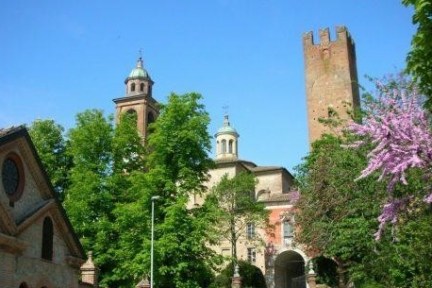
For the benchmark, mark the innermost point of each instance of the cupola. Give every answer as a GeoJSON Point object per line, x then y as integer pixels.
{"type": "Point", "coordinates": [139, 81]}
{"type": "Point", "coordinates": [227, 141]}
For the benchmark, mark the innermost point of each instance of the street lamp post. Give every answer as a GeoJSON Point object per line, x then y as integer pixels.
{"type": "Point", "coordinates": [153, 199]}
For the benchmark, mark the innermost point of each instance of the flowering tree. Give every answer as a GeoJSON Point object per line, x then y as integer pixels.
{"type": "Point", "coordinates": [400, 128]}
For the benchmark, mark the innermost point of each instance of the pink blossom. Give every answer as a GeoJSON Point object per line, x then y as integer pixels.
{"type": "Point", "coordinates": [390, 213]}
{"type": "Point", "coordinates": [400, 128]}
{"type": "Point", "coordinates": [428, 198]}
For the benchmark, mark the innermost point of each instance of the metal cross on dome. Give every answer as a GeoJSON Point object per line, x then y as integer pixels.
{"type": "Point", "coordinates": [225, 109]}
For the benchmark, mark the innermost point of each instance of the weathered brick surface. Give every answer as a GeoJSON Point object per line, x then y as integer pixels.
{"type": "Point", "coordinates": [331, 78]}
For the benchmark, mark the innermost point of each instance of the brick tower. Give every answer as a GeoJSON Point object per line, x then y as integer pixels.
{"type": "Point", "coordinates": [138, 98]}
{"type": "Point", "coordinates": [331, 78]}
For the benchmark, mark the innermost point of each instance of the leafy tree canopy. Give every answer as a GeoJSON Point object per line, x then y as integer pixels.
{"type": "Point", "coordinates": [47, 136]}
{"type": "Point", "coordinates": [419, 60]}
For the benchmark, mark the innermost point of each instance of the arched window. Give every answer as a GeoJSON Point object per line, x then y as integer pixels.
{"type": "Point", "coordinates": [230, 146]}
{"type": "Point", "coordinates": [23, 285]}
{"type": "Point", "coordinates": [224, 146]}
{"type": "Point", "coordinates": [47, 239]}
{"type": "Point", "coordinates": [132, 87]}
{"type": "Point", "coordinates": [142, 87]}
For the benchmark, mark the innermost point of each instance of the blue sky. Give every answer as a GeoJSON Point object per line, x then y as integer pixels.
{"type": "Point", "coordinates": [59, 58]}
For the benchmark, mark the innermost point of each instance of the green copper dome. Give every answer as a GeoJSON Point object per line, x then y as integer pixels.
{"type": "Point", "coordinates": [139, 72]}
{"type": "Point", "coordinates": [227, 128]}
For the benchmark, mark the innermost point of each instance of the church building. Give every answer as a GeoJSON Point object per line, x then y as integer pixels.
{"type": "Point", "coordinates": [331, 89]}
{"type": "Point", "coordinates": [276, 252]}
{"type": "Point", "coordinates": [38, 246]}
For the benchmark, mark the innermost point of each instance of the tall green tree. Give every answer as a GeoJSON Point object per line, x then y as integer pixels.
{"type": "Point", "coordinates": [89, 201]}
{"type": "Point", "coordinates": [337, 214]}
{"type": "Point", "coordinates": [419, 60]}
{"type": "Point", "coordinates": [47, 136]}
{"type": "Point", "coordinates": [237, 208]}
{"type": "Point", "coordinates": [177, 164]}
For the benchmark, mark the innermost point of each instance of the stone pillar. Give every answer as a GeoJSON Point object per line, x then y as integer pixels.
{"type": "Point", "coordinates": [236, 279]}
{"type": "Point", "coordinates": [311, 276]}
{"type": "Point", "coordinates": [89, 271]}
{"type": "Point", "coordinates": [144, 283]}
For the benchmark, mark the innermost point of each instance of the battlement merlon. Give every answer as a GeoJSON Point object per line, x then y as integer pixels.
{"type": "Point", "coordinates": [308, 39]}
{"type": "Point", "coordinates": [342, 34]}
{"type": "Point", "coordinates": [324, 35]}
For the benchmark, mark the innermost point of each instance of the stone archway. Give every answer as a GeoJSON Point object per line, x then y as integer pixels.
{"type": "Point", "coordinates": [289, 270]}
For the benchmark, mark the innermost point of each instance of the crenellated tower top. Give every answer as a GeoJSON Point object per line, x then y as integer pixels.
{"type": "Point", "coordinates": [342, 35]}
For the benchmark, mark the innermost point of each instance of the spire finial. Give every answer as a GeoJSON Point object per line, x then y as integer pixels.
{"type": "Point", "coordinates": [140, 63]}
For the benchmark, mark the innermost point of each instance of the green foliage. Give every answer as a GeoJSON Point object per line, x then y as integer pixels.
{"type": "Point", "coordinates": [180, 144]}
{"type": "Point", "coordinates": [177, 165]}
{"type": "Point", "coordinates": [112, 180]}
{"type": "Point", "coordinates": [419, 60]}
{"type": "Point", "coordinates": [326, 270]}
{"type": "Point", "coordinates": [183, 251]}
{"type": "Point", "coordinates": [237, 206]}
{"type": "Point", "coordinates": [327, 183]}
{"type": "Point", "coordinates": [89, 201]}
{"type": "Point", "coordinates": [47, 136]}
{"type": "Point", "coordinates": [90, 142]}
{"type": "Point", "coordinates": [402, 257]}
{"type": "Point", "coordinates": [251, 276]}
{"type": "Point", "coordinates": [336, 213]}
{"type": "Point", "coordinates": [127, 146]}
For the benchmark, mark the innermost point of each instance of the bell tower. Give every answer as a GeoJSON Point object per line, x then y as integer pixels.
{"type": "Point", "coordinates": [331, 79]}
{"type": "Point", "coordinates": [138, 98]}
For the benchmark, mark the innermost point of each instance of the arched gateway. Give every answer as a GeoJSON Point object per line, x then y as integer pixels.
{"type": "Point", "coordinates": [289, 270]}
